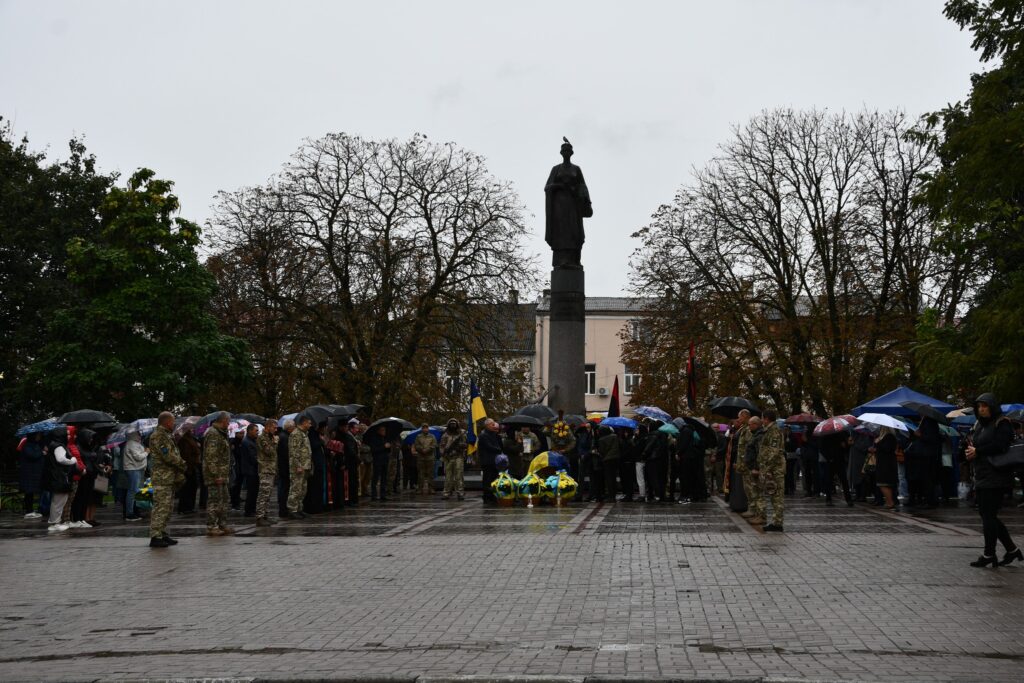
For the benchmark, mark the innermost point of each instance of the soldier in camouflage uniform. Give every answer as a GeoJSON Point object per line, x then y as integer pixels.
{"type": "Point", "coordinates": [743, 436]}
{"type": "Point", "coordinates": [300, 457]}
{"type": "Point", "coordinates": [425, 446]}
{"type": "Point", "coordinates": [771, 469]}
{"type": "Point", "coordinates": [266, 456]}
{"type": "Point", "coordinates": [453, 455]}
{"type": "Point", "coordinates": [168, 470]}
{"type": "Point", "coordinates": [751, 482]}
{"type": "Point", "coordinates": [216, 470]}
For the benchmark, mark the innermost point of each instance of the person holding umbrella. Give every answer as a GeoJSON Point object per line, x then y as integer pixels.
{"type": "Point", "coordinates": [31, 465]}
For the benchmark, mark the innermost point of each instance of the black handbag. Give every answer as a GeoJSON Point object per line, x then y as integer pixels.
{"type": "Point", "coordinates": [1012, 459]}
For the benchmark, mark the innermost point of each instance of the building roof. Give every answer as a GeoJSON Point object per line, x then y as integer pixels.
{"type": "Point", "coordinates": [603, 304]}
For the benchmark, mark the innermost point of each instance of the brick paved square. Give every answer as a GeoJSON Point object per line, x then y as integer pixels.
{"type": "Point", "coordinates": [422, 588]}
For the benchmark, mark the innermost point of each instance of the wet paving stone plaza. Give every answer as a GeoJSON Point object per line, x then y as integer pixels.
{"type": "Point", "coordinates": [420, 588]}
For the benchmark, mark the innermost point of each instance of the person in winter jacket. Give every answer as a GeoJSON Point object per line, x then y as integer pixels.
{"type": "Point", "coordinates": [135, 459]}
{"type": "Point", "coordinates": [76, 477]}
{"type": "Point", "coordinates": [31, 468]}
{"type": "Point", "coordinates": [61, 470]}
{"type": "Point", "coordinates": [992, 435]}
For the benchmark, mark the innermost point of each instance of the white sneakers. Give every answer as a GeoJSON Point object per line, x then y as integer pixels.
{"type": "Point", "coordinates": [58, 527]}
{"type": "Point", "coordinates": [33, 515]}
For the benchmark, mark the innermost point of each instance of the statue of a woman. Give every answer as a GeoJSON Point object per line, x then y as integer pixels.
{"type": "Point", "coordinates": [567, 204]}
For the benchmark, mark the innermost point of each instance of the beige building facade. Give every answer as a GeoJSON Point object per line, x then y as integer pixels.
{"type": "Point", "coordinates": [607, 319]}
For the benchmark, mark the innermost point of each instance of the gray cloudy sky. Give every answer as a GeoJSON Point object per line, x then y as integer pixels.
{"type": "Point", "coordinates": [217, 95]}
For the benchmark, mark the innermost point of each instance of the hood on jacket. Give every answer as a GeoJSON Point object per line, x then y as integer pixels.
{"type": "Point", "coordinates": [60, 434]}
{"type": "Point", "coordinates": [85, 438]}
{"type": "Point", "coordinates": [72, 434]}
{"type": "Point", "coordinates": [989, 399]}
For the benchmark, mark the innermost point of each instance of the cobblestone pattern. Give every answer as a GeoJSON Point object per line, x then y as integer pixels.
{"type": "Point", "coordinates": [489, 592]}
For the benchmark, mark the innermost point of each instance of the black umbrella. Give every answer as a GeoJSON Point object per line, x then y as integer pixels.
{"type": "Point", "coordinates": [730, 406]}
{"type": "Point", "coordinates": [574, 420]}
{"type": "Point", "coordinates": [250, 417]}
{"type": "Point", "coordinates": [321, 413]}
{"type": "Point", "coordinates": [353, 408]}
{"type": "Point", "coordinates": [86, 417]}
{"type": "Point", "coordinates": [394, 425]}
{"type": "Point", "coordinates": [522, 421]}
{"type": "Point", "coordinates": [707, 434]}
{"type": "Point", "coordinates": [538, 410]}
{"type": "Point", "coordinates": [925, 410]}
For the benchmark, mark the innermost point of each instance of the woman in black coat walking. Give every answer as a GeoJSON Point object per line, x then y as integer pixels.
{"type": "Point", "coordinates": [992, 435]}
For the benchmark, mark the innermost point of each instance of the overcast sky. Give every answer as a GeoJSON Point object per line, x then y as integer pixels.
{"type": "Point", "coordinates": [217, 95]}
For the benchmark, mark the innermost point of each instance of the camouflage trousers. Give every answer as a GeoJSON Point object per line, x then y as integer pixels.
{"type": "Point", "coordinates": [755, 496]}
{"type": "Point", "coordinates": [263, 497]}
{"type": "Point", "coordinates": [217, 506]}
{"type": "Point", "coordinates": [297, 493]}
{"type": "Point", "coordinates": [773, 485]}
{"type": "Point", "coordinates": [425, 473]}
{"type": "Point", "coordinates": [163, 502]}
{"type": "Point", "coordinates": [453, 476]}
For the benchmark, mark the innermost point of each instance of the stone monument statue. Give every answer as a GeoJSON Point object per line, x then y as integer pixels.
{"type": "Point", "coordinates": [567, 204]}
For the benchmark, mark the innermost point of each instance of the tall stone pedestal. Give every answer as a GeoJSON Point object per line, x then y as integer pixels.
{"type": "Point", "coordinates": [566, 380]}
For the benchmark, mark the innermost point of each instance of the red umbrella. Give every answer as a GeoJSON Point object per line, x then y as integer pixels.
{"type": "Point", "coordinates": [803, 419]}
{"type": "Point", "coordinates": [834, 425]}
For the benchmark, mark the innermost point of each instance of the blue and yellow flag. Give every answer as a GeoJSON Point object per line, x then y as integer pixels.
{"type": "Point", "coordinates": [475, 417]}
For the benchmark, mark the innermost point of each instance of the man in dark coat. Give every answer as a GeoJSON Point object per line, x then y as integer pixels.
{"type": "Point", "coordinates": [250, 469]}
{"type": "Point", "coordinates": [284, 469]}
{"type": "Point", "coordinates": [489, 448]}
{"type": "Point", "coordinates": [351, 459]}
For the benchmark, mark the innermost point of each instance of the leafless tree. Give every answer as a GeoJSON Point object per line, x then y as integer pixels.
{"type": "Point", "coordinates": [364, 267]}
{"type": "Point", "coordinates": [798, 260]}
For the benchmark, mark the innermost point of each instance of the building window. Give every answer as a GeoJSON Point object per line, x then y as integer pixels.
{"type": "Point", "coordinates": [451, 383]}
{"type": "Point", "coordinates": [632, 380]}
{"type": "Point", "coordinates": [590, 373]}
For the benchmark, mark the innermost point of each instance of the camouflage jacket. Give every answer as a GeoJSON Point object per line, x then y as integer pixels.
{"type": "Point", "coordinates": [743, 437]}
{"type": "Point", "coordinates": [167, 462]}
{"type": "Point", "coordinates": [266, 454]}
{"type": "Point", "coordinates": [772, 451]}
{"type": "Point", "coordinates": [453, 445]}
{"type": "Point", "coordinates": [425, 444]}
{"type": "Point", "coordinates": [216, 455]}
{"type": "Point", "coordinates": [300, 454]}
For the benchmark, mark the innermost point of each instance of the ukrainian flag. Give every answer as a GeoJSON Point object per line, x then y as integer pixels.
{"type": "Point", "coordinates": [475, 417]}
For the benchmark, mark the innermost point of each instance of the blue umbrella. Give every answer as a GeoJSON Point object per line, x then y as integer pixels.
{"type": "Point", "coordinates": [654, 413]}
{"type": "Point", "coordinates": [37, 427]}
{"type": "Point", "coordinates": [618, 422]}
{"type": "Point", "coordinates": [411, 436]}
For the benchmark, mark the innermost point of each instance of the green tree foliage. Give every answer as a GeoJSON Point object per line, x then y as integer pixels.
{"type": "Point", "coordinates": [135, 335]}
{"type": "Point", "coordinates": [977, 196]}
{"type": "Point", "coordinates": [42, 206]}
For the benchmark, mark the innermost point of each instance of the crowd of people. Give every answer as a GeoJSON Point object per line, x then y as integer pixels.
{"type": "Point", "coordinates": [754, 461]}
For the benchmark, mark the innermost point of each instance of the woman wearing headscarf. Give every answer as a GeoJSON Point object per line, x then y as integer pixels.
{"type": "Point", "coordinates": [992, 435]}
